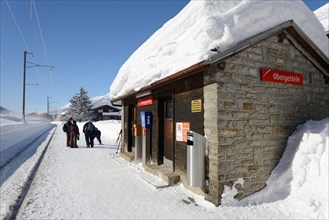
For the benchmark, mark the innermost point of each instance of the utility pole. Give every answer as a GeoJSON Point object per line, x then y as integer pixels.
{"type": "Point", "coordinates": [48, 97]}
{"type": "Point", "coordinates": [24, 79]}
{"type": "Point", "coordinates": [24, 84]}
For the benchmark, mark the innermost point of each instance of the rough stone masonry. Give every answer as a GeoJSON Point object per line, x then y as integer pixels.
{"type": "Point", "coordinates": [248, 121]}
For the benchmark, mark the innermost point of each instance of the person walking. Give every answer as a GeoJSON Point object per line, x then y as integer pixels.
{"type": "Point", "coordinates": [89, 131]}
{"type": "Point", "coordinates": [66, 128]}
{"type": "Point", "coordinates": [98, 135]}
{"type": "Point", "coordinates": [74, 134]}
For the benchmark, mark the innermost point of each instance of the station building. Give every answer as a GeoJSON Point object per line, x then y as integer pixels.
{"type": "Point", "coordinates": [247, 101]}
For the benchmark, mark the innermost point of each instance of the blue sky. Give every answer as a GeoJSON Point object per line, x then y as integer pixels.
{"type": "Point", "coordinates": [86, 41]}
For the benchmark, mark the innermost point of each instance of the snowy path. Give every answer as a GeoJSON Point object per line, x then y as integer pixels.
{"type": "Point", "coordinates": [93, 184]}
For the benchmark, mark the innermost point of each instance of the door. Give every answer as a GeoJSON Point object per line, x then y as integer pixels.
{"type": "Point", "coordinates": [168, 140]}
{"type": "Point", "coordinates": [131, 121]}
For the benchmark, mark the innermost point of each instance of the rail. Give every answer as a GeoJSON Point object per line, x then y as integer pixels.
{"type": "Point", "coordinates": [18, 203]}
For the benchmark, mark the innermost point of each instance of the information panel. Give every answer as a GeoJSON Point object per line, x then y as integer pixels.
{"type": "Point", "coordinates": [196, 105]}
{"type": "Point", "coordinates": [181, 131]}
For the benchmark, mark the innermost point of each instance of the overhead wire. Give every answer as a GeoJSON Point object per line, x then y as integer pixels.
{"type": "Point", "coordinates": [19, 29]}
{"type": "Point", "coordinates": [10, 68]}
{"type": "Point", "coordinates": [41, 35]}
{"type": "Point", "coordinates": [43, 44]}
{"type": "Point", "coordinates": [38, 41]}
{"type": "Point", "coordinates": [22, 36]}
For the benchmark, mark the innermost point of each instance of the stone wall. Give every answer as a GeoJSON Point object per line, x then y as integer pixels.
{"type": "Point", "coordinates": [248, 121]}
{"type": "Point", "coordinates": [211, 123]}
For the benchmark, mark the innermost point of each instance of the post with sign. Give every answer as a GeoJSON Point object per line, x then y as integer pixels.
{"type": "Point", "coordinates": [146, 118]}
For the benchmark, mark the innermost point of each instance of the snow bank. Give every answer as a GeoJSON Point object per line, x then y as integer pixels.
{"type": "Point", "coordinates": [14, 179]}
{"type": "Point", "coordinates": [203, 25]}
{"type": "Point", "coordinates": [10, 118]}
{"type": "Point", "coordinates": [14, 138]}
{"type": "Point", "coordinates": [16, 135]}
{"type": "Point", "coordinates": [323, 15]}
{"type": "Point", "coordinates": [13, 118]}
{"type": "Point", "coordinates": [300, 180]}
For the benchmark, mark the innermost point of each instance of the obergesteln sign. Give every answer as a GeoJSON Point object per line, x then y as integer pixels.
{"type": "Point", "coordinates": [147, 100]}
{"type": "Point", "coordinates": [278, 76]}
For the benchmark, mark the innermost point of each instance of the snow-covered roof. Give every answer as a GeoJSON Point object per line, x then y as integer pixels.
{"type": "Point", "coordinates": [188, 38]}
{"type": "Point", "coordinates": [322, 14]}
{"type": "Point", "coordinates": [112, 113]}
{"type": "Point", "coordinates": [100, 101]}
{"type": "Point", "coordinates": [101, 104]}
{"type": "Point", "coordinates": [96, 102]}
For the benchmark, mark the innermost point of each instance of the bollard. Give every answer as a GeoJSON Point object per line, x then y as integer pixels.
{"type": "Point", "coordinates": [195, 159]}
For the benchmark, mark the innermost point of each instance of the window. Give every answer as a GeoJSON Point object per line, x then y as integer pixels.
{"type": "Point", "coordinates": [169, 109]}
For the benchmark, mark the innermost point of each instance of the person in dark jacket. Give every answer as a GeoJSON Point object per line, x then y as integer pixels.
{"type": "Point", "coordinates": [98, 135]}
{"type": "Point", "coordinates": [89, 131]}
{"type": "Point", "coordinates": [66, 128]}
{"type": "Point", "coordinates": [74, 135]}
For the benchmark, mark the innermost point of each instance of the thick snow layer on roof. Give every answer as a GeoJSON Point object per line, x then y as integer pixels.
{"type": "Point", "coordinates": [203, 25]}
{"type": "Point", "coordinates": [323, 15]}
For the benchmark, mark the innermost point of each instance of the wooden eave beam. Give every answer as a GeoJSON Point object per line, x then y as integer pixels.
{"type": "Point", "coordinates": [177, 76]}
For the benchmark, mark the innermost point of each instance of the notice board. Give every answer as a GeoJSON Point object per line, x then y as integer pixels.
{"type": "Point", "coordinates": [181, 131]}
{"type": "Point", "coordinates": [196, 105]}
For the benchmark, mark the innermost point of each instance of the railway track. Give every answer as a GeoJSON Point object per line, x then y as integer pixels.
{"type": "Point", "coordinates": [23, 149]}
{"type": "Point", "coordinates": [15, 207]}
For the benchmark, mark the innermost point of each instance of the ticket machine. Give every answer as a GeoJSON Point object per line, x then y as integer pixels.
{"type": "Point", "coordinates": [146, 119]}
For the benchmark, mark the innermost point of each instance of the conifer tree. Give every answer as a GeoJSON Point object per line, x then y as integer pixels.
{"type": "Point", "coordinates": [80, 108]}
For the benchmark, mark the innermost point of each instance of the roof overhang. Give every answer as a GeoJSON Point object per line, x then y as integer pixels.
{"type": "Point", "coordinates": [177, 76]}
{"type": "Point", "coordinates": [295, 34]}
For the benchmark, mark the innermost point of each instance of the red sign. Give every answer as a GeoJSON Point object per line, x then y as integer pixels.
{"type": "Point", "coordinates": [282, 77]}
{"type": "Point", "coordinates": [147, 100]}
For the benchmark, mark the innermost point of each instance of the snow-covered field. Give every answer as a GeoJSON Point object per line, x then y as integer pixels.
{"type": "Point", "coordinates": [87, 183]}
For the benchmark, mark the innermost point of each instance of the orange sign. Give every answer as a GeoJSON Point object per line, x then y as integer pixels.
{"type": "Point", "coordinates": [147, 100]}
{"type": "Point", "coordinates": [137, 130]}
{"type": "Point", "coordinates": [181, 131]}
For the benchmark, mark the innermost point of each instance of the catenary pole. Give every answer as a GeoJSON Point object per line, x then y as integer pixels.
{"type": "Point", "coordinates": [24, 80]}
{"type": "Point", "coordinates": [48, 97]}
{"type": "Point", "coordinates": [24, 84]}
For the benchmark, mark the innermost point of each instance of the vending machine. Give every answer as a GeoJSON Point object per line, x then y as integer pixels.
{"type": "Point", "coordinates": [146, 119]}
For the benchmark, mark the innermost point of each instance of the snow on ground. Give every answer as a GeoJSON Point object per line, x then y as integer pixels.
{"type": "Point", "coordinates": [15, 177]}
{"type": "Point", "coordinates": [87, 183]}
{"type": "Point", "coordinates": [300, 180]}
{"type": "Point", "coordinates": [188, 38]}
{"type": "Point", "coordinates": [16, 135]}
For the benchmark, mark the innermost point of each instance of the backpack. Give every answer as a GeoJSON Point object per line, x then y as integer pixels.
{"type": "Point", "coordinates": [65, 127]}
{"type": "Point", "coordinates": [90, 127]}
